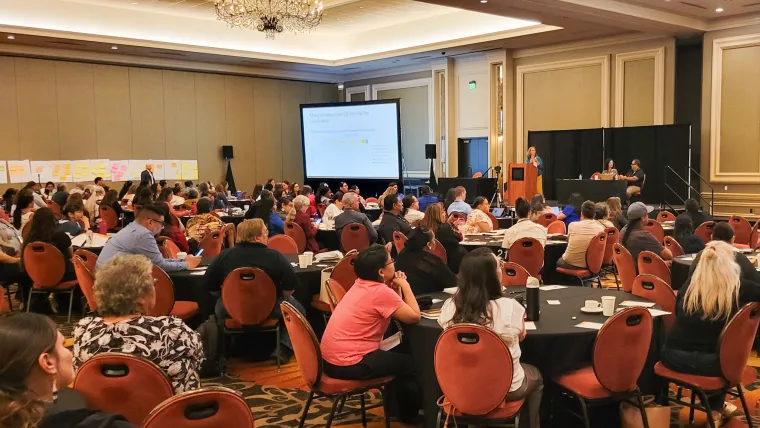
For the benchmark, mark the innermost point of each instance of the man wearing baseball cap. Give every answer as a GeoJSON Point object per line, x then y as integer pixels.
{"type": "Point", "coordinates": [636, 239]}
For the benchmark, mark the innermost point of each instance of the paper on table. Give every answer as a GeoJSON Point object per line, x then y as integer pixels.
{"type": "Point", "coordinates": [658, 313]}
{"type": "Point", "coordinates": [451, 290]}
{"type": "Point", "coordinates": [199, 268]}
{"type": "Point", "coordinates": [590, 325]}
{"type": "Point", "coordinates": [530, 325]}
{"type": "Point", "coordinates": [553, 302]}
{"type": "Point", "coordinates": [551, 287]}
{"type": "Point", "coordinates": [632, 304]}
{"type": "Point", "coordinates": [437, 301]}
{"type": "Point", "coordinates": [391, 342]}
{"type": "Point", "coordinates": [98, 240]}
{"type": "Point", "coordinates": [474, 243]}
{"type": "Point", "coordinates": [201, 272]}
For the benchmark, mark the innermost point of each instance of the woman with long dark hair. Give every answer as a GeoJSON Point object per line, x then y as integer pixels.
{"type": "Point", "coordinates": [111, 199]}
{"type": "Point", "coordinates": [424, 270]}
{"type": "Point", "coordinates": [124, 189]}
{"type": "Point", "coordinates": [446, 233]}
{"type": "Point", "coordinates": [256, 192]}
{"type": "Point", "coordinates": [609, 168]}
{"type": "Point", "coordinates": [8, 197]}
{"type": "Point", "coordinates": [44, 228]}
{"type": "Point", "coordinates": [24, 210]}
{"type": "Point", "coordinates": [572, 211]}
{"type": "Point", "coordinates": [480, 300]}
{"type": "Point", "coordinates": [684, 234]}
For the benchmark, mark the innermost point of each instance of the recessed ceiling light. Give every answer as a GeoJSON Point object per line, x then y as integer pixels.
{"type": "Point", "coordinates": [719, 10]}
{"type": "Point", "coordinates": [11, 37]}
{"type": "Point", "coordinates": [484, 1]}
{"type": "Point", "coordinates": [114, 47]}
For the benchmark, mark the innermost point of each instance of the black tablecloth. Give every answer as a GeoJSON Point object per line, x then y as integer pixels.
{"type": "Point", "coordinates": [234, 219]}
{"type": "Point", "coordinates": [679, 271]}
{"type": "Point", "coordinates": [240, 203]}
{"type": "Point", "coordinates": [552, 252]}
{"type": "Point", "coordinates": [555, 347]}
{"type": "Point", "coordinates": [328, 239]}
{"type": "Point", "coordinates": [373, 213]}
{"type": "Point", "coordinates": [593, 190]}
{"type": "Point", "coordinates": [506, 222]}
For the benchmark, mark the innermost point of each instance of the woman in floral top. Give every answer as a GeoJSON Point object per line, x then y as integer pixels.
{"type": "Point", "coordinates": [124, 291]}
{"type": "Point", "coordinates": [478, 220]}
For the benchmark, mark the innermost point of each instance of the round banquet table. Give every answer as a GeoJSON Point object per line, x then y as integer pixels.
{"type": "Point", "coordinates": [555, 347]}
{"type": "Point", "coordinates": [234, 219]}
{"type": "Point", "coordinates": [679, 269]}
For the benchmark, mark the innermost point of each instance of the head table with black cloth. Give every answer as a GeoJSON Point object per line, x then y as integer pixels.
{"type": "Point", "coordinates": [592, 190]}
{"type": "Point", "coordinates": [555, 347]}
{"type": "Point", "coordinates": [679, 269]}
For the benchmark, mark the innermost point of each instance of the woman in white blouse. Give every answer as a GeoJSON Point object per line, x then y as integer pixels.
{"type": "Point", "coordinates": [335, 208]}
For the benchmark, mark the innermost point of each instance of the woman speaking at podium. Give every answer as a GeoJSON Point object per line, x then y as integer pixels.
{"type": "Point", "coordinates": [536, 160]}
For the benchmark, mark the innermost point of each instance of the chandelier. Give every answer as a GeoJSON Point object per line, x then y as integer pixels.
{"type": "Point", "coordinates": [271, 16]}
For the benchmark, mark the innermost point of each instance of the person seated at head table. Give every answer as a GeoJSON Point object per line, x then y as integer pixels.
{"type": "Point", "coordinates": [425, 271]}
{"type": "Point", "coordinates": [446, 233]}
{"type": "Point", "coordinates": [351, 342]}
{"type": "Point", "coordinates": [480, 300]}
{"type": "Point", "coordinates": [713, 294]}
{"type": "Point", "coordinates": [478, 220]}
{"type": "Point", "coordinates": [335, 208]}
{"type": "Point", "coordinates": [615, 213]}
{"type": "Point", "coordinates": [125, 291]}
{"type": "Point", "coordinates": [411, 211]}
{"type": "Point", "coordinates": [459, 205]}
{"type": "Point", "coordinates": [73, 219]}
{"type": "Point", "coordinates": [191, 199]}
{"type": "Point", "coordinates": [538, 207]}
{"type": "Point", "coordinates": [202, 223]}
{"type": "Point", "coordinates": [300, 216]}
{"type": "Point", "coordinates": [392, 220]}
{"type": "Point", "coordinates": [694, 212]}
{"type": "Point", "coordinates": [138, 237]}
{"type": "Point", "coordinates": [251, 251]}
{"type": "Point", "coordinates": [24, 209]}
{"type": "Point", "coordinates": [44, 228]}
{"type": "Point", "coordinates": [35, 370]}
{"type": "Point", "coordinates": [524, 228]}
{"type": "Point", "coordinates": [724, 233]}
{"type": "Point", "coordinates": [609, 169]}
{"type": "Point", "coordinates": [683, 232]}
{"type": "Point", "coordinates": [426, 198]}
{"type": "Point", "coordinates": [636, 239]}
{"type": "Point", "coordinates": [579, 235]}
{"type": "Point", "coordinates": [572, 211]}
{"type": "Point", "coordinates": [176, 234]}
{"type": "Point", "coordinates": [39, 201]}
{"type": "Point", "coordinates": [351, 215]}
{"type": "Point", "coordinates": [601, 214]}
{"type": "Point", "coordinates": [634, 177]}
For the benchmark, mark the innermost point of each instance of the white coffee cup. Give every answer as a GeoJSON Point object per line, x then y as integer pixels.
{"type": "Point", "coordinates": [303, 261]}
{"type": "Point", "coordinates": [181, 255]}
{"type": "Point", "coordinates": [592, 305]}
{"type": "Point", "coordinates": [310, 256]}
{"type": "Point", "coordinates": [608, 305]}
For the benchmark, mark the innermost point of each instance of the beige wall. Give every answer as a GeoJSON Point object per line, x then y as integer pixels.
{"type": "Point", "coordinates": [638, 92]}
{"type": "Point", "coordinates": [415, 131]}
{"type": "Point", "coordinates": [52, 110]}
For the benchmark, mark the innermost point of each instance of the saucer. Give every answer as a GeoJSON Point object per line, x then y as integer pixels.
{"type": "Point", "coordinates": [591, 311]}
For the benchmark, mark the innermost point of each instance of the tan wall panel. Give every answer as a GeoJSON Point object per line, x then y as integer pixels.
{"type": "Point", "coordinates": [323, 93]}
{"type": "Point", "coordinates": [638, 92]}
{"type": "Point", "coordinates": [146, 89]}
{"type": "Point", "coordinates": [292, 95]}
{"type": "Point", "coordinates": [266, 96]}
{"type": "Point", "coordinates": [359, 96]}
{"type": "Point", "coordinates": [37, 110]}
{"type": "Point", "coordinates": [562, 99]}
{"type": "Point", "coordinates": [740, 110]}
{"type": "Point", "coordinates": [113, 112]}
{"type": "Point", "coordinates": [414, 124]}
{"type": "Point", "coordinates": [211, 126]}
{"type": "Point", "coordinates": [8, 109]}
{"type": "Point", "coordinates": [241, 130]}
{"type": "Point", "coordinates": [76, 110]}
{"type": "Point", "coordinates": [179, 115]}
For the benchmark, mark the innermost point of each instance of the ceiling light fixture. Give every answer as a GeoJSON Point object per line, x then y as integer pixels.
{"type": "Point", "coordinates": [484, 1]}
{"type": "Point", "coordinates": [11, 37]}
{"type": "Point", "coordinates": [270, 16]}
{"type": "Point", "coordinates": [719, 10]}
{"type": "Point", "coordinates": [114, 47]}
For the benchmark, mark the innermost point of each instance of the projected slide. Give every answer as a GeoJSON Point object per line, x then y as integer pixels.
{"type": "Point", "coordinates": [351, 141]}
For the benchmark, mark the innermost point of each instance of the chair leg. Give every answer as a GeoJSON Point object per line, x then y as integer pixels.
{"type": "Point", "coordinates": [586, 421]}
{"type": "Point", "coordinates": [438, 418]}
{"type": "Point", "coordinates": [342, 403]}
{"type": "Point", "coordinates": [706, 405]}
{"type": "Point", "coordinates": [744, 405]}
{"type": "Point", "coordinates": [8, 295]}
{"type": "Point", "coordinates": [614, 273]}
{"type": "Point", "coordinates": [599, 281]}
{"type": "Point", "coordinates": [332, 413]}
{"type": "Point", "coordinates": [277, 352]}
{"type": "Point", "coordinates": [71, 303]}
{"type": "Point", "coordinates": [222, 352]}
{"type": "Point", "coordinates": [385, 409]}
{"type": "Point", "coordinates": [582, 283]}
{"type": "Point", "coordinates": [691, 408]}
{"type": "Point", "coordinates": [641, 408]}
{"type": "Point", "coordinates": [364, 411]}
{"type": "Point", "coordinates": [29, 300]}
{"type": "Point", "coordinates": [306, 409]}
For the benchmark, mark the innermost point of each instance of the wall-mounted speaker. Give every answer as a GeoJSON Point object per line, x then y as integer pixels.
{"type": "Point", "coordinates": [429, 151]}
{"type": "Point", "coordinates": [227, 152]}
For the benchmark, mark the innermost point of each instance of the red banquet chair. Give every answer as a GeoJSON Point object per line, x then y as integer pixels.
{"type": "Point", "coordinates": [608, 263]}
{"type": "Point", "coordinates": [651, 264]}
{"type": "Point", "coordinates": [212, 406]}
{"type": "Point", "coordinates": [675, 248]}
{"type": "Point", "coordinates": [165, 303]}
{"type": "Point", "coordinates": [90, 259]}
{"type": "Point", "coordinates": [655, 229]}
{"type": "Point", "coordinates": [742, 229]}
{"type": "Point", "coordinates": [620, 352]}
{"type": "Point", "coordinates": [354, 236]}
{"type": "Point", "coordinates": [546, 219]}
{"type": "Point", "coordinates": [557, 227]}
{"type": "Point", "coordinates": [343, 272]}
{"type": "Point", "coordinates": [46, 266]}
{"type": "Point", "coordinates": [309, 356]}
{"type": "Point", "coordinates": [528, 253]}
{"type": "Point", "coordinates": [399, 241]}
{"type": "Point", "coordinates": [439, 251]}
{"type": "Point", "coordinates": [594, 258]}
{"type": "Point", "coordinates": [108, 215]}
{"type": "Point", "coordinates": [122, 384]}
{"type": "Point", "coordinates": [296, 232]}
{"type": "Point", "coordinates": [283, 244]}
{"type": "Point", "coordinates": [168, 247]}
{"type": "Point", "coordinates": [513, 274]}
{"type": "Point", "coordinates": [371, 200]}
{"type": "Point", "coordinates": [626, 268]}
{"type": "Point", "coordinates": [335, 292]}
{"type": "Point", "coordinates": [664, 216]}
{"type": "Point", "coordinates": [467, 358]}
{"type": "Point", "coordinates": [86, 280]}
{"type": "Point", "coordinates": [494, 221]}
{"type": "Point", "coordinates": [734, 347]}
{"type": "Point", "coordinates": [754, 235]}
{"type": "Point", "coordinates": [229, 233]}
{"type": "Point", "coordinates": [705, 231]}
{"type": "Point", "coordinates": [655, 289]}
{"type": "Point", "coordinates": [212, 244]}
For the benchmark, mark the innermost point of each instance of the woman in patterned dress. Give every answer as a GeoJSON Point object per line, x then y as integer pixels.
{"type": "Point", "coordinates": [124, 291]}
{"type": "Point", "coordinates": [478, 220]}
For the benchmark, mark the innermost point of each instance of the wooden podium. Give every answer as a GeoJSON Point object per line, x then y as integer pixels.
{"type": "Point", "coordinates": [521, 182]}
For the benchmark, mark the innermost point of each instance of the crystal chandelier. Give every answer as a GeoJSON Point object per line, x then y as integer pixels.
{"type": "Point", "coordinates": [271, 16]}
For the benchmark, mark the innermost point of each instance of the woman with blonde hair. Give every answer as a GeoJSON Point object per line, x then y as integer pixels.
{"type": "Point", "coordinates": [300, 216]}
{"type": "Point", "coordinates": [615, 213]}
{"type": "Point", "coordinates": [704, 305]}
{"type": "Point", "coordinates": [389, 191]}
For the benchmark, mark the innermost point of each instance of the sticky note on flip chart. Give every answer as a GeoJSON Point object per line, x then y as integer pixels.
{"type": "Point", "coordinates": [118, 169]}
{"type": "Point", "coordinates": [100, 168]}
{"type": "Point", "coordinates": [189, 169]}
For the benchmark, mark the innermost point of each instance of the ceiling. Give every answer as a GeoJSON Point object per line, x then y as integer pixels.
{"type": "Point", "coordinates": [704, 8]}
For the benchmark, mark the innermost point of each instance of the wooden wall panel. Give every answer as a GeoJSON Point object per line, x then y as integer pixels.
{"type": "Point", "coordinates": [146, 91]}
{"type": "Point", "coordinates": [266, 96]}
{"type": "Point", "coordinates": [241, 130]}
{"type": "Point", "coordinates": [211, 126]}
{"type": "Point", "coordinates": [292, 95]}
{"type": "Point", "coordinates": [8, 109]}
{"type": "Point", "coordinates": [37, 109]}
{"type": "Point", "coordinates": [179, 115]}
{"type": "Point", "coordinates": [113, 112]}
{"type": "Point", "coordinates": [638, 95]}
{"type": "Point", "coordinates": [76, 110]}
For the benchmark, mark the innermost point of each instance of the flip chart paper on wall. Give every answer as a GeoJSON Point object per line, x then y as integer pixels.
{"type": "Point", "coordinates": [82, 170]}
{"type": "Point", "coordinates": [158, 169]}
{"type": "Point", "coordinates": [189, 169]}
{"type": "Point", "coordinates": [100, 168]}
{"type": "Point", "coordinates": [135, 168]}
{"type": "Point", "coordinates": [118, 169]}
{"type": "Point", "coordinates": [3, 172]}
{"type": "Point", "coordinates": [172, 170]}
{"type": "Point", "coordinates": [41, 170]}
{"type": "Point", "coordinates": [62, 171]}
{"type": "Point", "coordinates": [19, 171]}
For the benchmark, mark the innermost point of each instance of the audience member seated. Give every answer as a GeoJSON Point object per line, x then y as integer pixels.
{"type": "Point", "coordinates": [44, 228]}
{"type": "Point", "coordinates": [426, 198]}
{"type": "Point", "coordinates": [425, 271]}
{"type": "Point", "coordinates": [478, 220]}
{"type": "Point", "coordinates": [39, 201]}
{"type": "Point", "coordinates": [300, 216]}
{"type": "Point", "coordinates": [111, 199]}
{"type": "Point", "coordinates": [124, 189]}
{"type": "Point", "coordinates": [704, 305]}
{"type": "Point", "coordinates": [355, 189]}
{"type": "Point", "coordinates": [306, 191]}
{"type": "Point", "coordinates": [188, 186]}
{"type": "Point", "coordinates": [480, 300]}
{"type": "Point", "coordinates": [284, 205]}
{"type": "Point", "coordinates": [636, 239]}
{"type": "Point", "coordinates": [10, 256]}
{"type": "Point", "coordinates": [352, 215]}
{"type": "Point", "coordinates": [459, 205]}
{"type": "Point", "coordinates": [176, 197]}
{"type": "Point", "coordinates": [35, 371]}
{"type": "Point", "coordinates": [202, 223]}
{"type": "Point", "coordinates": [93, 202]}
{"type": "Point", "coordinates": [602, 214]}
{"type": "Point", "coordinates": [524, 228]}
{"type": "Point", "coordinates": [572, 211]}
{"type": "Point", "coordinates": [323, 194]}
{"type": "Point", "coordinates": [9, 200]}
{"type": "Point", "coordinates": [144, 197]}
{"type": "Point", "coordinates": [449, 199]}
{"type": "Point", "coordinates": [615, 213]}
{"type": "Point", "coordinates": [446, 233]}
{"type": "Point", "coordinates": [50, 190]}
{"type": "Point", "coordinates": [138, 237]}
{"type": "Point", "coordinates": [264, 210]}
{"type": "Point", "coordinates": [412, 213]}
{"type": "Point", "coordinates": [351, 342]}
{"type": "Point", "coordinates": [166, 197]}
{"type": "Point", "coordinates": [392, 220]}
{"type": "Point", "coordinates": [24, 209]}
{"type": "Point", "coordinates": [60, 196]}
{"type": "Point", "coordinates": [171, 231]}
{"type": "Point", "coordinates": [579, 236]}
{"type": "Point", "coordinates": [694, 212]}
{"type": "Point", "coordinates": [538, 207]}
{"type": "Point", "coordinates": [724, 233]}
{"type": "Point", "coordinates": [77, 200]}
{"type": "Point", "coordinates": [130, 195]}
{"type": "Point", "coordinates": [251, 251]}
{"type": "Point", "coordinates": [335, 208]}
{"type": "Point", "coordinates": [191, 199]}
{"type": "Point", "coordinates": [73, 214]}
{"type": "Point", "coordinates": [683, 232]}
{"type": "Point", "coordinates": [124, 291]}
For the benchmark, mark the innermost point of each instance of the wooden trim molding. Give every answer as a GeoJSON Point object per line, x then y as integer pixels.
{"type": "Point", "coordinates": [719, 45]}
{"type": "Point", "coordinates": [601, 61]}
{"type": "Point", "coordinates": [586, 44]}
{"type": "Point", "coordinates": [659, 83]}
{"type": "Point", "coordinates": [358, 90]}
{"type": "Point", "coordinates": [728, 204]}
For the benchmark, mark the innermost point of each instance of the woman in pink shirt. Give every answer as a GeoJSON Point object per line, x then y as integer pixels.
{"type": "Point", "coordinates": [351, 342]}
